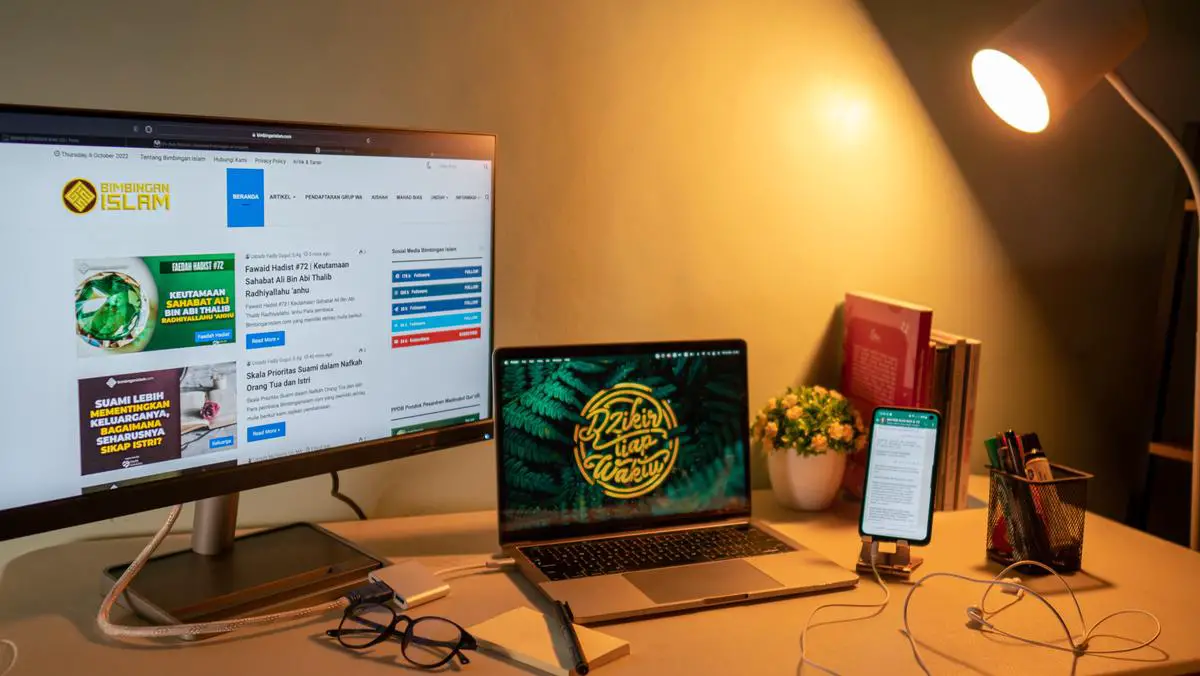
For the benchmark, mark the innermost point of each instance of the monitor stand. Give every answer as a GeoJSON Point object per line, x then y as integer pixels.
{"type": "Point", "coordinates": [223, 576]}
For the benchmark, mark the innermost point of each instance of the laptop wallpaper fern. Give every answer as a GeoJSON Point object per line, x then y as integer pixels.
{"type": "Point", "coordinates": [590, 440]}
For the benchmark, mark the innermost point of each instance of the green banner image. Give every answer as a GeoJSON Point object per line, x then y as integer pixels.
{"type": "Point", "coordinates": [154, 303]}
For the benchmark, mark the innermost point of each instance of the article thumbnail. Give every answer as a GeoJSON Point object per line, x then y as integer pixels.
{"type": "Point", "coordinates": [143, 418]}
{"type": "Point", "coordinates": [150, 303]}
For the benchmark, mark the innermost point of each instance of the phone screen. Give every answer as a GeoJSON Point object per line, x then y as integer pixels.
{"type": "Point", "coordinates": [898, 500]}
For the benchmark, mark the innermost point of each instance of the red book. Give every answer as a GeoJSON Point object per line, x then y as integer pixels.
{"type": "Point", "coordinates": [884, 362]}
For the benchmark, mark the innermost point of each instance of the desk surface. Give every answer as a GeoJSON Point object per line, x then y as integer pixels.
{"type": "Point", "coordinates": [48, 600]}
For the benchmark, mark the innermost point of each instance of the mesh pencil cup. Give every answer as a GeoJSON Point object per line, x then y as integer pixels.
{"type": "Point", "coordinates": [1037, 520]}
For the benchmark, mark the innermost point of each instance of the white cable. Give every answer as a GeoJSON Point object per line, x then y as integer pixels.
{"type": "Point", "coordinates": [980, 615]}
{"type": "Point", "coordinates": [493, 564]}
{"type": "Point", "coordinates": [187, 630]}
{"type": "Point", "coordinates": [887, 596]}
{"type": "Point", "coordinates": [12, 664]}
{"type": "Point", "coordinates": [459, 569]}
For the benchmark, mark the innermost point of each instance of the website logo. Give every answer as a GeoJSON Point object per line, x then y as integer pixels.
{"type": "Point", "coordinates": [79, 196]}
{"type": "Point", "coordinates": [626, 446]}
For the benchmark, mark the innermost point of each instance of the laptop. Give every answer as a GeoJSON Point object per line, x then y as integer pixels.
{"type": "Point", "coordinates": [624, 481]}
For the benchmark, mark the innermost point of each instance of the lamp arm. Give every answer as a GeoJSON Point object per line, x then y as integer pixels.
{"type": "Point", "coordinates": [1194, 181]}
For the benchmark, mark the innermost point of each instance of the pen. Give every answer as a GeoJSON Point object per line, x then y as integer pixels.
{"type": "Point", "coordinates": [1016, 452]}
{"type": "Point", "coordinates": [1037, 466]}
{"type": "Point", "coordinates": [992, 446]}
{"type": "Point", "coordinates": [566, 617]}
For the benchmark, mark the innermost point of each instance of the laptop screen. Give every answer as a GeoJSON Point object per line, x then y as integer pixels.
{"type": "Point", "coordinates": [599, 439]}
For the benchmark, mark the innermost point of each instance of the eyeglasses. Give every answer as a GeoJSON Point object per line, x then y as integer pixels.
{"type": "Point", "coordinates": [427, 642]}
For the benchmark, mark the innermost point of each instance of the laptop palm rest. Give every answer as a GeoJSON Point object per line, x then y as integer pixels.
{"type": "Point", "coordinates": [721, 581]}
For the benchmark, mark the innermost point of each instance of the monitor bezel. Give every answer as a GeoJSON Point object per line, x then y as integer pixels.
{"type": "Point", "coordinates": [508, 537]}
{"type": "Point", "coordinates": [52, 515]}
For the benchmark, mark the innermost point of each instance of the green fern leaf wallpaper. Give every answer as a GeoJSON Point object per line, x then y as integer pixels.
{"type": "Point", "coordinates": [590, 440]}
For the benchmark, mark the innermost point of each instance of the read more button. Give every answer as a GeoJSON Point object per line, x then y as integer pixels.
{"type": "Point", "coordinates": [256, 341]}
{"type": "Point", "coordinates": [273, 430]}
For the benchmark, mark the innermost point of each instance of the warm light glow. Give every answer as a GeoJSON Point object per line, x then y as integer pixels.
{"type": "Point", "coordinates": [1010, 90]}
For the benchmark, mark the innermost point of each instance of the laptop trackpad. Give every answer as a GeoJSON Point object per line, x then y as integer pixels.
{"type": "Point", "coordinates": [701, 581]}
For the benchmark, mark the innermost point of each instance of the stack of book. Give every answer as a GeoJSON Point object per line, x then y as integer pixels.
{"type": "Point", "coordinates": [892, 356]}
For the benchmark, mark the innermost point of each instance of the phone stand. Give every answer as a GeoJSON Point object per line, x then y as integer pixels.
{"type": "Point", "coordinates": [900, 563]}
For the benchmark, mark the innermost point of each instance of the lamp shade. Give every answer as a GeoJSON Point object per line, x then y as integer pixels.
{"type": "Point", "coordinates": [1031, 73]}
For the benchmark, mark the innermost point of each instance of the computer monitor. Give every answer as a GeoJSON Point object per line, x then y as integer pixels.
{"type": "Point", "coordinates": [196, 307]}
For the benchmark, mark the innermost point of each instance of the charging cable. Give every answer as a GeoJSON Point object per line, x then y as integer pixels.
{"type": "Point", "coordinates": [980, 617]}
{"type": "Point", "coordinates": [12, 662]}
{"type": "Point", "coordinates": [887, 596]}
{"type": "Point", "coordinates": [187, 630]}
{"type": "Point", "coordinates": [495, 564]}
{"type": "Point", "coordinates": [367, 593]}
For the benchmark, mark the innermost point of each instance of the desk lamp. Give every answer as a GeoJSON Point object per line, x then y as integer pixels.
{"type": "Point", "coordinates": [1044, 62]}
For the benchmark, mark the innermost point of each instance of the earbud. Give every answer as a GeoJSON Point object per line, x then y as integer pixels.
{"type": "Point", "coordinates": [975, 618]}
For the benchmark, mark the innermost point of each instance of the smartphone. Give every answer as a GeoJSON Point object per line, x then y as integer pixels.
{"type": "Point", "coordinates": [901, 474]}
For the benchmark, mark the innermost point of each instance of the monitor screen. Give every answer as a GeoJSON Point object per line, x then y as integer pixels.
{"type": "Point", "coordinates": [189, 296]}
{"type": "Point", "coordinates": [600, 439]}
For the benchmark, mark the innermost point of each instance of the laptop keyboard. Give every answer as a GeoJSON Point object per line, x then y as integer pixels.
{"type": "Point", "coordinates": [587, 558]}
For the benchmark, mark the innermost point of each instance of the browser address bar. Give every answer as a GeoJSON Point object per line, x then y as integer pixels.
{"type": "Point", "coordinates": [230, 133]}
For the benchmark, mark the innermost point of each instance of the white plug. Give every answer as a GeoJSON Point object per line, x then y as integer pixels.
{"type": "Point", "coordinates": [1009, 586]}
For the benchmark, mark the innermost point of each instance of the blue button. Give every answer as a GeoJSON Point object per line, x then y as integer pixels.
{"type": "Point", "coordinates": [213, 336]}
{"type": "Point", "coordinates": [273, 430]}
{"type": "Point", "coordinates": [435, 322]}
{"type": "Point", "coordinates": [245, 196]}
{"type": "Point", "coordinates": [421, 307]}
{"type": "Point", "coordinates": [223, 442]}
{"type": "Point", "coordinates": [429, 274]}
{"type": "Point", "coordinates": [255, 341]}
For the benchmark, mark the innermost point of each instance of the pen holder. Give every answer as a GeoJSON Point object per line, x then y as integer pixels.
{"type": "Point", "coordinates": [1037, 520]}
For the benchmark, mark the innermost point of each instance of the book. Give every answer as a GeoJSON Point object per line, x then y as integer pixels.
{"type": "Point", "coordinates": [534, 639]}
{"type": "Point", "coordinates": [939, 390]}
{"type": "Point", "coordinates": [958, 413]}
{"type": "Point", "coordinates": [952, 416]}
{"type": "Point", "coordinates": [974, 351]}
{"type": "Point", "coordinates": [884, 353]}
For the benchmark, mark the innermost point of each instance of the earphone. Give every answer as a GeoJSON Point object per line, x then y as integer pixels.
{"type": "Point", "coordinates": [12, 662]}
{"type": "Point", "coordinates": [979, 618]}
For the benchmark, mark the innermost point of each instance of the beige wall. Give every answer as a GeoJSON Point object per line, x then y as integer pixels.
{"type": "Point", "coordinates": [667, 169]}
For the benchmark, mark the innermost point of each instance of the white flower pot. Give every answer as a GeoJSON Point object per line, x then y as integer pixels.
{"type": "Point", "coordinates": [805, 482]}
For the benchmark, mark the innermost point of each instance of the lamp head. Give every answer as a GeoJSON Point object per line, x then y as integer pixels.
{"type": "Point", "coordinates": [1030, 74]}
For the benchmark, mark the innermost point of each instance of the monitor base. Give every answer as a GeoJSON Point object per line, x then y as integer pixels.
{"type": "Point", "coordinates": [264, 572]}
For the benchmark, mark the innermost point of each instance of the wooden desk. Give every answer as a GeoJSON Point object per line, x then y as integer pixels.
{"type": "Point", "coordinates": [48, 600]}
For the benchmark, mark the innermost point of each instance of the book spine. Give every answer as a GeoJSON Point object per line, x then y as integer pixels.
{"type": "Point", "coordinates": [974, 349]}
{"type": "Point", "coordinates": [954, 411]}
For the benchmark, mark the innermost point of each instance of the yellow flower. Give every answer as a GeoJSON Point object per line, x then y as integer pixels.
{"type": "Point", "coordinates": [820, 443]}
{"type": "Point", "coordinates": [789, 401]}
{"type": "Point", "coordinates": [836, 395]}
{"type": "Point", "coordinates": [771, 430]}
{"type": "Point", "coordinates": [794, 413]}
{"type": "Point", "coordinates": [820, 390]}
{"type": "Point", "coordinates": [771, 403]}
{"type": "Point", "coordinates": [860, 443]}
{"type": "Point", "coordinates": [834, 430]}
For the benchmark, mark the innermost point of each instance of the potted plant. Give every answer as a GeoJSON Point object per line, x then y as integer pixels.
{"type": "Point", "coordinates": [806, 435]}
